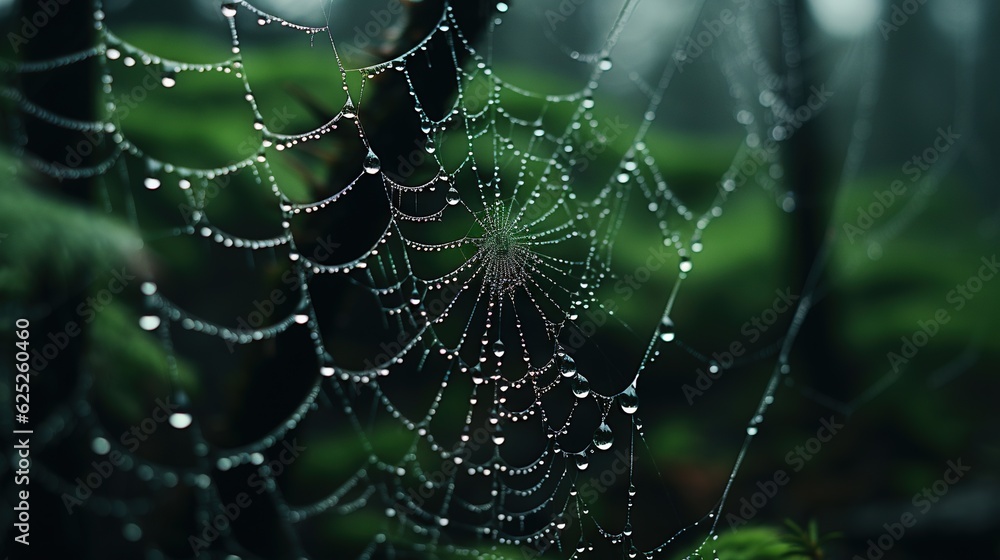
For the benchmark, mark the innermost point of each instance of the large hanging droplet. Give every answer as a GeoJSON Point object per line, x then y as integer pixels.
{"type": "Point", "coordinates": [567, 366]}
{"type": "Point", "coordinates": [100, 446]}
{"type": "Point", "coordinates": [498, 349]}
{"type": "Point", "coordinates": [605, 64]}
{"type": "Point", "coordinates": [582, 462]}
{"type": "Point", "coordinates": [581, 387]}
{"type": "Point", "coordinates": [667, 330]}
{"type": "Point", "coordinates": [169, 79]}
{"type": "Point", "coordinates": [627, 531]}
{"type": "Point", "coordinates": [229, 9]}
{"type": "Point", "coordinates": [498, 437]}
{"type": "Point", "coordinates": [372, 164]}
{"type": "Point", "coordinates": [603, 438]}
{"type": "Point", "coordinates": [349, 111]}
{"type": "Point", "coordinates": [629, 400]}
{"type": "Point", "coordinates": [180, 419]}
{"type": "Point", "coordinates": [452, 197]}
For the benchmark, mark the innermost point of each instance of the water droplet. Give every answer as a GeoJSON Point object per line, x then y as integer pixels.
{"type": "Point", "coordinates": [567, 366]}
{"type": "Point", "coordinates": [452, 197]}
{"type": "Point", "coordinates": [229, 9]}
{"type": "Point", "coordinates": [685, 264]}
{"type": "Point", "coordinates": [502, 7]}
{"type": "Point", "coordinates": [582, 462]}
{"type": "Point", "coordinates": [151, 183]}
{"type": "Point", "coordinates": [498, 349]}
{"type": "Point", "coordinates": [605, 63]}
{"type": "Point", "coordinates": [752, 431]}
{"type": "Point", "coordinates": [498, 437]}
{"type": "Point", "coordinates": [372, 164]}
{"type": "Point", "coordinates": [180, 420]}
{"type": "Point", "coordinates": [581, 387]}
{"type": "Point", "coordinates": [603, 438]}
{"type": "Point", "coordinates": [100, 446]}
{"type": "Point", "coordinates": [629, 400]}
{"type": "Point", "coordinates": [631, 490]}
{"type": "Point", "coordinates": [415, 297]}
{"type": "Point", "coordinates": [113, 54]}
{"type": "Point", "coordinates": [169, 80]}
{"type": "Point", "coordinates": [429, 146]}
{"type": "Point", "coordinates": [667, 331]}
{"type": "Point", "coordinates": [149, 322]}
{"type": "Point", "coordinates": [627, 531]}
{"type": "Point", "coordinates": [301, 319]}
{"type": "Point", "coordinates": [632, 551]}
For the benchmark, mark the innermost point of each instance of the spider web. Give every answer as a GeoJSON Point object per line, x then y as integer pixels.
{"type": "Point", "coordinates": [484, 277]}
